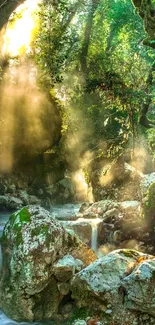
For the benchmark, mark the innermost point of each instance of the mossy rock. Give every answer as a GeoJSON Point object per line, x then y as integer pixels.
{"type": "Point", "coordinates": [100, 286]}
{"type": "Point", "coordinates": [32, 242]}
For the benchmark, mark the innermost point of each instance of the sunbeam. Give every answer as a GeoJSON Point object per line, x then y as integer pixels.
{"type": "Point", "coordinates": [19, 31]}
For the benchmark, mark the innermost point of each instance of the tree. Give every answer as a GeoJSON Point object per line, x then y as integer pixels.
{"type": "Point", "coordinates": [96, 61]}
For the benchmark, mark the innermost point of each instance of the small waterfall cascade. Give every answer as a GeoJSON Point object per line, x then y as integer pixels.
{"type": "Point", "coordinates": [94, 225]}
{"type": "Point", "coordinates": [94, 239]}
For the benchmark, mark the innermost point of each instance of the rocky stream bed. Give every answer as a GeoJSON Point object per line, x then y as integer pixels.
{"type": "Point", "coordinates": [81, 264]}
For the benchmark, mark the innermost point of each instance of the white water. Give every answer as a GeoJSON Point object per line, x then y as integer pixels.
{"type": "Point", "coordinates": [94, 225]}
{"type": "Point", "coordinates": [94, 237]}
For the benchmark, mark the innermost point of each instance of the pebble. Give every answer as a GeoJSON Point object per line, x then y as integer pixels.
{"type": "Point", "coordinates": [80, 322]}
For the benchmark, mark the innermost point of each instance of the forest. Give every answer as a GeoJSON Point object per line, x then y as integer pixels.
{"type": "Point", "coordinates": [77, 162]}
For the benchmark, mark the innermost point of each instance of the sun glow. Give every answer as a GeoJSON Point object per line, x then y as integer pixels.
{"type": "Point", "coordinates": [20, 30]}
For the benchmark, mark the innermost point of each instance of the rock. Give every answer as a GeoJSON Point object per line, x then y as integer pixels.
{"type": "Point", "coordinates": [68, 184]}
{"type": "Point", "coordinates": [101, 207]}
{"type": "Point", "coordinates": [24, 196]}
{"type": "Point", "coordinates": [83, 229]}
{"type": "Point", "coordinates": [64, 288]}
{"type": "Point", "coordinates": [10, 203]}
{"type": "Point", "coordinates": [11, 189]}
{"type": "Point", "coordinates": [45, 203]}
{"type": "Point", "coordinates": [66, 193]}
{"type": "Point", "coordinates": [80, 322]}
{"type": "Point", "coordinates": [14, 203]}
{"type": "Point", "coordinates": [139, 288]}
{"type": "Point", "coordinates": [124, 220]}
{"type": "Point", "coordinates": [130, 207]}
{"type": "Point", "coordinates": [40, 192]}
{"type": "Point", "coordinates": [4, 201]}
{"type": "Point", "coordinates": [132, 171]}
{"type": "Point", "coordinates": [3, 189]}
{"type": "Point", "coordinates": [66, 310]}
{"type": "Point", "coordinates": [110, 215]}
{"type": "Point", "coordinates": [66, 267]}
{"type": "Point", "coordinates": [32, 243]}
{"type": "Point", "coordinates": [102, 279]}
{"type": "Point", "coordinates": [84, 206]}
{"type": "Point", "coordinates": [34, 200]}
{"type": "Point", "coordinates": [104, 283]}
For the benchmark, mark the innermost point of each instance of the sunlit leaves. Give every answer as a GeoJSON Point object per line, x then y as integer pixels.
{"type": "Point", "coordinates": [110, 91]}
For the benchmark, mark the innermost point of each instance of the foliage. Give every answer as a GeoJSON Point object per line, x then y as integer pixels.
{"type": "Point", "coordinates": [106, 89]}
{"type": "Point", "coordinates": [92, 61]}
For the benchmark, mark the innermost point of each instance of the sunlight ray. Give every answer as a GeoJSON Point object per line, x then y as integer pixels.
{"type": "Point", "coordinates": [19, 31]}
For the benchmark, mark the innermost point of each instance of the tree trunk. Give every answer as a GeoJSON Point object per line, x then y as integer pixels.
{"type": "Point", "coordinates": [87, 36]}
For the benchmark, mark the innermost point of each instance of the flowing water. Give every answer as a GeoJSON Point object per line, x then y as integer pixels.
{"type": "Point", "coordinates": [94, 238]}
{"type": "Point", "coordinates": [62, 212]}
{"type": "Point", "coordinates": [94, 225]}
{"type": "Point", "coordinates": [4, 320]}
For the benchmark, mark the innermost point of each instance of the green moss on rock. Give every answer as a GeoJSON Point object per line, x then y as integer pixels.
{"type": "Point", "coordinates": [131, 253]}
{"type": "Point", "coordinates": [33, 242]}
{"type": "Point", "coordinates": [24, 215]}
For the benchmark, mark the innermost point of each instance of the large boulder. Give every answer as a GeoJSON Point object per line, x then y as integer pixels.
{"type": "Point", "coordinates": [119, 285]}
{"type": "Point", "coordinates": [34, 246]}
{"type": "Point", "coordinates": [139, 288]}
{"type": "Point", "coordinates": [99, 208]}
{"type": "Point", "coordinates": [121, 223]}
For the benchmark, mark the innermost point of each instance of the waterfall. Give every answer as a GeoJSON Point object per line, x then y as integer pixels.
{"type": "Point", "coordinates": [94, 238]}
{"type": "Point", "coordinates": [94, 226]}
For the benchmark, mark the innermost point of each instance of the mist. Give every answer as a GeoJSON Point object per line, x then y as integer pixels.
{"type": "Point", "coordinates": [28, 119]}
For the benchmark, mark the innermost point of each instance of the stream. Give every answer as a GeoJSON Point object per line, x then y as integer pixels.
{"type": "Point", "coordinates": [60, 211]}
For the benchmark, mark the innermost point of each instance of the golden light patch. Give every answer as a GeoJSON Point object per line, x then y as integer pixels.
{"type": "Point", "coordinates": [19, 31]}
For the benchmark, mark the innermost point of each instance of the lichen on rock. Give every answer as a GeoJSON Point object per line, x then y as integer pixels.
{"type": "Point", "coordinates": [32, 243]}
{"type": "Point", "coordinates": [109, 286]}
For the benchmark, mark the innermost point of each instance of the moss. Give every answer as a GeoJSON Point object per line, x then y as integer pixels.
{"type": "Point", "coordinates": [24, 215]}
{"type": "Point", "coordinates": [19, 239]}
{"type": "Point", "coordinates": [42, 230]}
{"type": "Point", "coordinates": [81, 313]}
{"type": "Point", "coordinates": [131, 253]}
